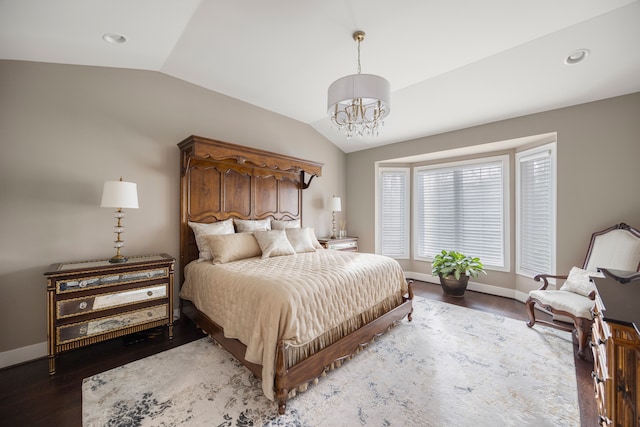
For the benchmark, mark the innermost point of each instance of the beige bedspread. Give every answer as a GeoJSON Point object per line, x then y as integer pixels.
{"type": "Point", "coordinates": [296, 297]}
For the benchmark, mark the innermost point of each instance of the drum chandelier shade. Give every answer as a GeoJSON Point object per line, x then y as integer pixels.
{"type": "Point", "coordinates": [357, 104]}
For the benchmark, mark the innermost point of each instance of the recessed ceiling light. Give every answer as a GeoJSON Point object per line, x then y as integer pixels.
{"type": "Point", "coordinates": [114, 38]}
{"type": "Point", "coordinates": [577, 56]}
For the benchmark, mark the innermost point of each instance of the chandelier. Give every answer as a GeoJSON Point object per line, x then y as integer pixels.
{"type": "Point", "coordinates": [358, 103]}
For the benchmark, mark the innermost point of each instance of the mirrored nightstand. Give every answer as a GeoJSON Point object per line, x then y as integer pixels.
{"type": "Point", "coordinates": [340, 244]}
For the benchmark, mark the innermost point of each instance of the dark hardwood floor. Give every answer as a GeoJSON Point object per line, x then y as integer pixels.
{"type": "Point", "coordinates": [28, 397]}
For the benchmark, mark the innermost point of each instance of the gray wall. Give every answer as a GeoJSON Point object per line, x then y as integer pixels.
{"type": "Point", "coordinates": [65, 129]}
{"type": "Point", "coordinates": [598, 154]}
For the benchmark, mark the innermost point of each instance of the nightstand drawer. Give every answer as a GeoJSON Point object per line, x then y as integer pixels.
{"type": "Point", "coordinates": [600, 392]}
{"type": "Point", "coordinates": [599, 347]}
{"type": "Point", "coordinates": [341, 246]}
{"type": "Point", "coordinates": [103, 280]}
{"type": "Point", "coordinates": [103, 325]}
{"type": "Point", "coordinates": [77, 306]}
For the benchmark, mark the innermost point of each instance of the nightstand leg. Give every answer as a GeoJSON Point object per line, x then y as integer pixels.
{"type": "Point", "coordinates": [52, 365]}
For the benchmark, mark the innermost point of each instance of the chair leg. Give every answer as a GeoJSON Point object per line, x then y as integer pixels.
{"type": "Point", "coordinates": [530, 312]}
{"type": "Point", "coordinates": [582, 327]}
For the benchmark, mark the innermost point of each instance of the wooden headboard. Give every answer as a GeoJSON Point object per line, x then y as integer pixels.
{"type": "Point", "coordinates": [219, 180]}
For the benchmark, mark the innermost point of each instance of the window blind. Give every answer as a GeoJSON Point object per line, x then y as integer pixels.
{"type": "Point", "coordinates": [461, 207]}
{"type": "Point", "coordinates": [394, 212]}
{"type": "Point", "coordinates": [535, 212]}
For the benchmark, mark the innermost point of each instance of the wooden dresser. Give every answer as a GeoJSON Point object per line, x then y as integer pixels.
{"type": "Point", "coordinates": [616, 349]}
{"type": "Point", "coordinates": [92, 301]}
{"type": "Point", "coordinates": [340, 244]}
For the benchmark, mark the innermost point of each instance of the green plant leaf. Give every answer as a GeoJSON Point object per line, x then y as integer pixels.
{"type": "Point", "coordinates": [453, 262]}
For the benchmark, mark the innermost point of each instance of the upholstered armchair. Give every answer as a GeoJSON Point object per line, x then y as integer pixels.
{"type": "Point", "coordinates": [617, 248]}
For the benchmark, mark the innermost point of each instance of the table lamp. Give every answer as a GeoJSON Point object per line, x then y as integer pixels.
{"type": "Point", "coordinates": [335, 206]}
{"type": "Point", "coordinates": [119, 195]}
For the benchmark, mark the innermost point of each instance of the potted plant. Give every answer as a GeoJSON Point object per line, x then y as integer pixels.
{"type": "Point", "coordinates": [454, 270]}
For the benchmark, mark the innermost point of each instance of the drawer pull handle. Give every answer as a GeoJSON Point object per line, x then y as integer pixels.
{"type": "Point", "coordinates": [603, 421]}
{"type": "Point", "coordinates": [149, 293]}
{"type": "Point", "coordinates": [596, 377]}
{"type": "Point", "coordinates": [83, 305]}
{"type": "Point", "coordinates": [83, 284]}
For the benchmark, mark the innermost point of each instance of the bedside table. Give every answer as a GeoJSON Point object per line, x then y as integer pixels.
{"type": "Point", "coordinates": [340, 244]}
{"type": "Point", "coordinates": [93, 301]}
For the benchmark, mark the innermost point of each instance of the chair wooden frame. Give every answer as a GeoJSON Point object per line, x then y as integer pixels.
{"type": "Point", "coordinates": [581, 325]}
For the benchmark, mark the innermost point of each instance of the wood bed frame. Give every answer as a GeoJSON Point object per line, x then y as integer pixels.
{"type": "Point", "coordinates": [219, 180]}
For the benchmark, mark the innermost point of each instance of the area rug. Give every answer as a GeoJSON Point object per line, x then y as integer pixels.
{"type": "Point", "coordinates": [450, 366]}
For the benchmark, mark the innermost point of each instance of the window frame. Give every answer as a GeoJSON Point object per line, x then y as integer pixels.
{"type": "Point", "coordinates": [406, 170]}
{"type": "Point", "coordinates": [519, 156]}
{"type": "Point", "coordinates": [505, 160]}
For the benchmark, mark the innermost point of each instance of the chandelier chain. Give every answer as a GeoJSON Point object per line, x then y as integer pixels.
{"type": "Point", "coordinates": [359, 67]}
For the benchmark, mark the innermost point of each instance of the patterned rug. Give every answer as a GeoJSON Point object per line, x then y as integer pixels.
{"type": "Point", "coordinates": [451, 366]}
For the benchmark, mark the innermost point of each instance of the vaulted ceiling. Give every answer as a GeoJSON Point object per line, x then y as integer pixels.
{"type": "Point", "coordinates": [451, 64]}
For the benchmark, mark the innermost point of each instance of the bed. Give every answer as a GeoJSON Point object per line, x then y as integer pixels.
{"type": "Point", "coordinates": [287, 318]}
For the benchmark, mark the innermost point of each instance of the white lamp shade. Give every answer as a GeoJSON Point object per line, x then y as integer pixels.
{"type": "Point", "coordinates": [368, 87]}
{"type": "Point", "coordinates": [119, 194]}
{"type": "Point", "coordinates": [334, 204]}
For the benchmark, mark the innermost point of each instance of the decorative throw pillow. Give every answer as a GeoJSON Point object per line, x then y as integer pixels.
{"type": "Point", "coordinates": [251, 225]}
{"type": "Point", "coordinates": [273, 243]}
{"type": "Point", "coordinates": [300, 239]}
{"type": "Point", "coordinates": [232, 247]}
{"type": "Point", "coordinates": [579, 282]}
{"type": "Point", "coordinates": [200, 230]}
{"type": "Point", "coordinates": [282, 225]}
{"type": "Point", "coordinates": [314, 239]}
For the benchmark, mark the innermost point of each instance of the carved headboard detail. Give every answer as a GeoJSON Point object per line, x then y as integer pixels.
{"type": "Point", "coordinates": [219, 180]}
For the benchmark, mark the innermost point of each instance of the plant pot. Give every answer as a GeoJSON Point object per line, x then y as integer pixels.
{"type": "Point", "coordinates": [454, 287]}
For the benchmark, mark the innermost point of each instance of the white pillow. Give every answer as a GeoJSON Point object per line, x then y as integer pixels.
{"type": "Point", "coordinates": [251, 225]}
{"type": "Point", "coordinates": [273, 243]}
{"type": "Point", "coordinates": [300, 239]}
{"type": "Point", "coordinates": [232, 247]}
{"type": "Point", "coordinates": [314, 239]}
{"type": "Point", "coordinates": [579, 282]}
{"type": "Point", "coordinates": [282, 225]}
{"type": "Point", "coordinates": [200, 230]}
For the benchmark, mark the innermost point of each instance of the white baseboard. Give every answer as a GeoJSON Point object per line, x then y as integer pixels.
{"type": "Point", "coordinates": [23, 354]}
{"type": "Point", "coordinates": [522, 296]}
{"type": "Point", "coordinates": [36, 351]}
{"type": "Point", "coordinates": [478, 287]}
{"type": "Point", "coordinates": [473, 286]}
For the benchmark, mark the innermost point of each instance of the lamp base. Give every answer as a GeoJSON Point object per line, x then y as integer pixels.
{"type": "Point", "coordinates": [117, 259]}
